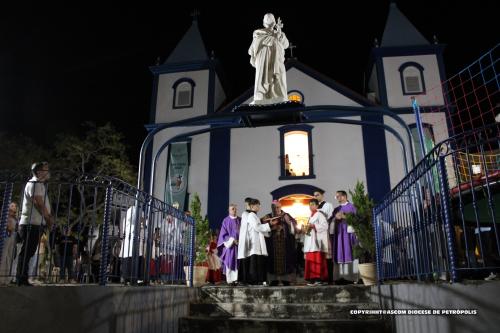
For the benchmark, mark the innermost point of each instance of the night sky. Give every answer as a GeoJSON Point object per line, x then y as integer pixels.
{"type": "Point", "coordinates": [62, 66]}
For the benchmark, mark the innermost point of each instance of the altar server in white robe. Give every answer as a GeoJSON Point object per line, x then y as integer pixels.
{"type": "Point", "coordinates": [316, 246]}
{"type": "Point", "coordinates": [252, 250]}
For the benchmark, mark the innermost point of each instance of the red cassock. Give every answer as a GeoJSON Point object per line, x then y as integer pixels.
{"type": "Point", "coordinates": [316, 267]}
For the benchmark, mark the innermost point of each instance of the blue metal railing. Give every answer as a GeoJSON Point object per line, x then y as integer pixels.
{"type": "Point", "coordinates": [94, 238]}
{"type": "Point", "coordinates": [441, 220]}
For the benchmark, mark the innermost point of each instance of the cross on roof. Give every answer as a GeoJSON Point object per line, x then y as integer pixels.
{"type": "Point", "coordinates": [291, 47]}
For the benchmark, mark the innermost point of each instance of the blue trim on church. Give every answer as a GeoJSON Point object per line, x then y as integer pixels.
{"type": "Point", "coordinates": [294, 189]}
{"type": "Point", "coordinates": [218, 176]}
{"type": "Point", "coordinates": [409, 50]}
{"type": "Point", "coordinates": [219, 162]}
{"type": "Point", "coordinates": [382, 88]}
{"type": "Point", "coordinates": [376, 161]}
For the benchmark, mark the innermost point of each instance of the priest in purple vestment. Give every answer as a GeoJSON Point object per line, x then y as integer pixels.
{"type": "Point", "coordinates": [343, 241]}
{"type": "Point", "coordinates": [227, 245]}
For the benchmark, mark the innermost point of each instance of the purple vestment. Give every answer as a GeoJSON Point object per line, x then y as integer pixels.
{"type": "Point", "coordinates": [343, 241]}
{"type": "Point", "coordinates": [229, 256]}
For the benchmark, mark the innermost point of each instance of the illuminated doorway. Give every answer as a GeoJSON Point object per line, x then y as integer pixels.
{"type": "Point", "coordinates": [297, 205]}
{"type": "Point", "coordinates": [294, 199]}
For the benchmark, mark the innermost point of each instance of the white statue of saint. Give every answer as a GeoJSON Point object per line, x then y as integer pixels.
{"type": "Point", "coordinates": [267, 55]}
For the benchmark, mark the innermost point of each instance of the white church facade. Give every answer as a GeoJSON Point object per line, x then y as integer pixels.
{"type": "Point", "coordinates": [289, 162]}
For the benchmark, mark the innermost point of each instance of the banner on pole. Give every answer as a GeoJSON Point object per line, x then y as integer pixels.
{"type": "Point", "coordinates": [177, 174]}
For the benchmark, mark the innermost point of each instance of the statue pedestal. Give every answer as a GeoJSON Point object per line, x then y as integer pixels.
{"type": "Point", "coordinates": [281, 113]}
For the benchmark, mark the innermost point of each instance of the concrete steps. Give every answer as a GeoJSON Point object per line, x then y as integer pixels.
{"type": "Point", "coordinates": [246, 325]}
{"type": "Point", "coordinates": [283, 309]}
{"type": "Point", "coordinates": [295, 294]}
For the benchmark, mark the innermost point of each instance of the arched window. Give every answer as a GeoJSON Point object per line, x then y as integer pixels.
{"type": "Point", "coordinates": [183, 93]}
{"type": "Point", "coordinates": [412, 78]}
{"type": "Point", "coordinates": [296, 96]}
{"type": "Point", "coordinates": [429, 141]}
{"type": "Point", "coordinates": [296, 154]}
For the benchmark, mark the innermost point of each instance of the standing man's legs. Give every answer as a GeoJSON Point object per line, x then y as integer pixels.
{"type": "Point", "coordinates": [69, 266]}
{"type": "Point", "coordinates": [30, 234]}
{"type": "Point", "coordinates": [330, 260]}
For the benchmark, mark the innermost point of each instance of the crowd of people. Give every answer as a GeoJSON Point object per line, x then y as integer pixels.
{"type": "Point", "coordinates": [249, 250]}
{"type": "Point", "coordinates": [274, 249]}
{"type": "Point", "coordinates": [27, 235]}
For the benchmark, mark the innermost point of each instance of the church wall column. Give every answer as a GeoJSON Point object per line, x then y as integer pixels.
{"type": "Point", "coordinates": [218, 176]}
{"type": "Point", "coordinates": [376, 162]}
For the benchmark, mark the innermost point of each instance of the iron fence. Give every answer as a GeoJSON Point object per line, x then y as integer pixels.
{"type": "Point", "coordinates": [104, 231]}
{"type": "Point", "coordinates": [442, 220]}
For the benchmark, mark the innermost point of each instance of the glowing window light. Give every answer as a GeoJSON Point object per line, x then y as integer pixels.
{"type": "Point", "coordinates": [294, 97]}
{"type": "Point", "coordinates": [476, 169]}
{"type": "Point", "coordinates": [297, 150]}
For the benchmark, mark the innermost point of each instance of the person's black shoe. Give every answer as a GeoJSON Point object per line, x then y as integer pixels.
{"type": "Point", "coordinates": [24, 283]}
{"type": "Point", "coordinates": [286, 283]}
{"type": "Point", "coordinates": [274, 283]}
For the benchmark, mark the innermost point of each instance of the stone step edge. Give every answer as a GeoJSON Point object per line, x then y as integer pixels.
{"type": "Point", "coordinates": [259, 301]}
{"type": "Point", "coordinates": [372, 305]}
{"type": "Point", "coordinates": [305, 321]}
{"type": "Point", "coordinates": [302, 287]}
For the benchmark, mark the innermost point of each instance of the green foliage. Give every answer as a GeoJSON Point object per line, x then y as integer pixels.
{"type": "Point", "coordinates": [363, 224]}
{"type": "Point", "coordinates": [202, 237]}
{"type": "Point", "coordinates": [100, 151]}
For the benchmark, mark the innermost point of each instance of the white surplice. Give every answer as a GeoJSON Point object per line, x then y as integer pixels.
{"type": "Point", "coordinates": [317, 240]}
{"type": "Point", "coordinates": [252, 236]}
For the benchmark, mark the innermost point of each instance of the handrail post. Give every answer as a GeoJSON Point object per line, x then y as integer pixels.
{"type": "Point", "coordinates": [378, 259]}
{"type": "Point", "coordinates": [445, 206]}
{"type": "Point", "coordinates": [192, 251]}
{"type": "Point", "coordinates": [7, 197]}
{"type": "Point", "coordinates": [103, 272]}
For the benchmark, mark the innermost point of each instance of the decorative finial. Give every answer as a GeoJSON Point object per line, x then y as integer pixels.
{"type": "Point", "coordinates": [212, 55]}
{"type": "Point", "coordinates": [375, 42]}
{"type": "Point", "coordinates": [158, 61]}
{"type": "Point", "coordinates": [291, 47]}
{"type": "Point", "coordinates": [195, 14]}
{"type": "Point", "coordinates": [435, 39]}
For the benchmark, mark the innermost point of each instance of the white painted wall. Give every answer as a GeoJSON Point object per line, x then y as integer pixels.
{"type": "Point", "coordinates": [198, 169]}
{"type": "Point", "coordinates": [315, 92]}
{"type": "Point", "coordinates": [255, 162]}
{"type": "Point", "coordinates": [432, 79]}
{"type": "Point", "coordinates": [164, 103]}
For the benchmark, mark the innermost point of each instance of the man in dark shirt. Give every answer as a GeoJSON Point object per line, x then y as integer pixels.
{"type": "Point", "coordinates": [67, 250]}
